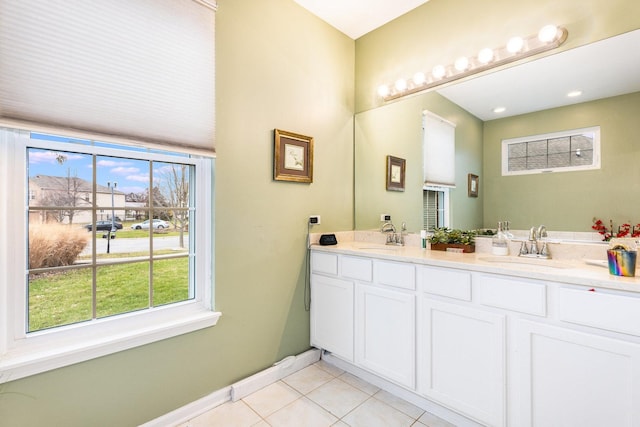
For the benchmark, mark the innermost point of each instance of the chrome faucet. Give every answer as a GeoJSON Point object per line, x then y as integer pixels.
{"type": "Point", "coordinates": [388, 227]}
{"type": "Point", "coordinates": [393, 237]}
{"type": "Point", "coordinates": [534, 249]}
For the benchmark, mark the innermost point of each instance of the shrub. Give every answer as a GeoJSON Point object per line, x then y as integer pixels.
{"type": "Point", "coordinates": [54, 245]}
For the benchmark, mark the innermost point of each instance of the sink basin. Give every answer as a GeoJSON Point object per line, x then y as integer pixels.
{"type": "Point", "coordinates": [525, 262]}
{"type": "Point", "coordinates": [374, 247]}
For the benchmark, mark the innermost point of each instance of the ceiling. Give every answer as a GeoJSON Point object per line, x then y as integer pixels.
{"type": "Point", "coordinates": [356, 18]}
{"type": "Point", "coordinates": [603, 69]}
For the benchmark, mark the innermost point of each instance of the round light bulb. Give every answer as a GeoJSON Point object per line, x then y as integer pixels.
{"type": "Point", "coordinates": [515, 44]}
{"type": "Point", "coordinates": [383, 90]}
{"type": "Point", "coordinates": [419, 79]}
{"type": "Point", "coordinates": [485, 55]}
{"type": "Point", "coordinates": [548, 33]}
{"type": "Point", "coordinates": [438, 71]}
{"type": "Point", "coordinates": [461, 63]}
{"type": "Point", "coordinates": [499, 110]}
{"type": "Point", "coordinates": [401, 84]}
{"type": "Point", "coordinates": [574, 93]}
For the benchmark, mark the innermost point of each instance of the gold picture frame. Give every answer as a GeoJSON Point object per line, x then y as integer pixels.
{"type": "Point", "coordinates": [473, 184]}
{"type": "Point", "coordinates": [396, 169]}
{"type": "Point", "coordinates": [292, 157]}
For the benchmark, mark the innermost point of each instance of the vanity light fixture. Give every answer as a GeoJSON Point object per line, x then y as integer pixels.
{"type": "Point", "coordinates": [549, 37]}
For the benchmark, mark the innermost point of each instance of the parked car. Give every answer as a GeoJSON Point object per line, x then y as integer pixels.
{"type": "Point", "coordinates": [103, 226]}
{"type": "Point", "coordinates": [157, 223]}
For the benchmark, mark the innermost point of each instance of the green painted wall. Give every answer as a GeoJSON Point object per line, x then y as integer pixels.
{"type": "Point", "coordinates": [568, 201]}
{"type": "Point", "coordinates": [277, 67]}
{"type": "Point", "coordinates": [396, 129]}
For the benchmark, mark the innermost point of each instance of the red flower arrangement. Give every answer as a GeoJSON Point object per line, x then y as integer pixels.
{"type": "Point", "coordinates": [625, 230]}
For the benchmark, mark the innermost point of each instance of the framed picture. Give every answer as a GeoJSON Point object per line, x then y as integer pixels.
{"type": "Point", "coordinates": [473, 184]}
{"type": "Point", "coordinates": [395, 173]}
{"type": "Point", "coordinates": [293, 157]}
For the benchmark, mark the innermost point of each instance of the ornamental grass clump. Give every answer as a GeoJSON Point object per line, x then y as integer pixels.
{"type": "Point", "coordinates": [55, 245]}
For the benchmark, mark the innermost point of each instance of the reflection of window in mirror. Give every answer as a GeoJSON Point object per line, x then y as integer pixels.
{"type": "Point", "coordinates": [435, 202]}
{"type": "Point", "coordinates": [577, 149]}
{"type": "Point", "coordinates": [439, 150]}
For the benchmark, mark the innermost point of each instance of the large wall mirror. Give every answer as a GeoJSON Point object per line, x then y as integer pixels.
{"type": "Point", "coordinates": [535, 97]}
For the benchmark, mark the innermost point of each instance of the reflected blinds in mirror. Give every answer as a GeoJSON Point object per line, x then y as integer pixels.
{"type": "Point", "coordinates": [439, 151]}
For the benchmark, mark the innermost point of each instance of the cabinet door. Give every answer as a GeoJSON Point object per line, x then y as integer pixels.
{"type": "Point", "coordinates": [385, 337]}
{"type": "Point", "coordinates": [332, 315]}
{"type": "Point", "coordinates": [570, 378]}
{"type": "Point", "coordinates": [462, 359]}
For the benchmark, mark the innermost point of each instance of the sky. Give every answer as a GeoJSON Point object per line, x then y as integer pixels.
{"type": "Point", "coordinates": [130, 175]}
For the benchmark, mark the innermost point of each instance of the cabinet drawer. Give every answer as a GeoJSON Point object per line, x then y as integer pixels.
{"type": "Point", "coordinates": [513, 294]}
{"type": "Point", "coordinates": [448, 283]}
{"type": "Point", "coordinates": [324, 263]}
{"type": "Point", "coordinates": [396, 274]}
{"type": "Point", "coordinates": [615, 313]}
{"type": "Point", "coordinates": [356, 268]}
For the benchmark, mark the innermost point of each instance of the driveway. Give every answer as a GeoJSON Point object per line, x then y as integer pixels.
{"type": "Point", "coordinates": [119, 245]}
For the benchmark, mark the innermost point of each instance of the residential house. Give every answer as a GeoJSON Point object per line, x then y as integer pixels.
{"type": "Point", "coordinates": [70, 191]}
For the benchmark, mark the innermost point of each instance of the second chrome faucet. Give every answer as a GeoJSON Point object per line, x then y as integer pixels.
{"type": "Point", "coordinates": [536, 245]}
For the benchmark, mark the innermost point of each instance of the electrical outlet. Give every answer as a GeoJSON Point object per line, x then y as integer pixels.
{"type": "Point", "coordinates": [385, 217]}
{"type": "Point", "coordinates": [314, 219]}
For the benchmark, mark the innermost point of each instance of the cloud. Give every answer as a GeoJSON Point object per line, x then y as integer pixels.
{"type": "Point", "coordinates": [107, 163]}
{"type": "Point", "coordinates": [38, 157]}
{"type": "Point", "coordinates": [121, 170]}
{"type": "Point", "coordinates": [139, 178]}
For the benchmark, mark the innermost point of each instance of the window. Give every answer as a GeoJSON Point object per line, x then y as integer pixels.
{"type": "Point", "coordinates": [439, 151]}
{"type": "Point", "coordinates": [111, 281]}
{"type": "Point", "coordinates": [435, 207]}
{"type": "Point", "coordinates": [573, 150]}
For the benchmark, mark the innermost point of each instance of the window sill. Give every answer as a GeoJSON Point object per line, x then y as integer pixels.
{"type": "Point", "coordinates": [47, 350]}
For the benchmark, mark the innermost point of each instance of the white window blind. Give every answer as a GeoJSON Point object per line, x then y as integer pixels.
{"type": "Point", "coordinates": [439, 148]}
{"type": "Point", "coordinates": [141, 70]}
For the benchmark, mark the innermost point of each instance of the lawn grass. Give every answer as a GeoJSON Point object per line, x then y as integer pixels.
{"type": "Point", "coordinates": [57, 299]}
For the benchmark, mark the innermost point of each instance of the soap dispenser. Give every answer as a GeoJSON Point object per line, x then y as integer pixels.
{"type": "Point", "coordinates": [500, 242]}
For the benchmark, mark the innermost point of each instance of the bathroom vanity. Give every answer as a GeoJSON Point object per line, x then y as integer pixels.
{"type": "Point", "coordinates": [498, 340]}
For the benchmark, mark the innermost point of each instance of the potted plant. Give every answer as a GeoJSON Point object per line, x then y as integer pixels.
{"type": "Point", "coordinates": [444, 238]}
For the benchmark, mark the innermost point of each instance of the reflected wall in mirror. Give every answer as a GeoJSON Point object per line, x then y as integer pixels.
{"type": "Point", "coordinates": [562, 201]}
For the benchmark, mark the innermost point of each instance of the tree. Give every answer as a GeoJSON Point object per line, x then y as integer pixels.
{"type": "Point", "coordinates": [176, 189]}
{"type": "Point", "coordinates": [66, 198]}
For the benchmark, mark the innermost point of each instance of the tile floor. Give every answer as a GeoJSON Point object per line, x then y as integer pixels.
{"type": "Point", "coordinates": [318, 395]}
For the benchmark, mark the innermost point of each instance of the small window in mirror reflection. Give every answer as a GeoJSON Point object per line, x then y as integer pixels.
{"type": "Point", "coordinates": [435, 202]}
{"type": "Point", "coordinates": [566, 151]}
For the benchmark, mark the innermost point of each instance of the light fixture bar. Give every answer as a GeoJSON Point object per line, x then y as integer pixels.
{"type": "Point", "coordinates": [487, 59]}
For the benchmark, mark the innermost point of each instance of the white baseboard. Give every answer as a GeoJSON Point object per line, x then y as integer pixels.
{"type": "Point", "coordinates": [279, 370]}
{"type": "Point", "coordinates": [191, 410]}
{"type": "Point", "coordinates": [242, 388]}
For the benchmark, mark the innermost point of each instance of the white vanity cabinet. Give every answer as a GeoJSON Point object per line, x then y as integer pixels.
{"type": "Point", "coordinates": [576, 372]}
{"type": "Point", "coordinates": [492, 348]}
{"type": "Point", "coordinates": [332, 315]}
{"type": "Point", "coordinates": [332, 303]}
{"type": "Point", "coordinates": [386, 322]}
{"type": "Point", "coordinates": [461, 350]}
{"type": "Point", "coordinates": [571, 378]}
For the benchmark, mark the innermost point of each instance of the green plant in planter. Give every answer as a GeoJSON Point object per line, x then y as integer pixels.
{"type": "Point", "coordinates": [460, 237]}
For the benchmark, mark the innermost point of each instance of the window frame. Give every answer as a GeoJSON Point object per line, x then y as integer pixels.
{"type": "Point", "coordinates": [596, 164]}
{"type": "Point", "coordinates": [23, 354]}
{"type": "Point", "coordinates": [446, 210]}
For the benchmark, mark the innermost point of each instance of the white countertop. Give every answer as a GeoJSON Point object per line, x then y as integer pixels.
{"type": "Point", "coordinates": [575, 272]}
